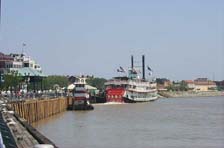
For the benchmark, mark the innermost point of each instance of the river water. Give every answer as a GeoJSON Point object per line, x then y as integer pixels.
{"type": "Point", "coordinates": [174, 122]}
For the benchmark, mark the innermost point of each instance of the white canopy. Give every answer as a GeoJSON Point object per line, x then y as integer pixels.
{"type": "Point", "coordinates": [88, 87]}
{"type": "Point", "coordinates": [71, 87]}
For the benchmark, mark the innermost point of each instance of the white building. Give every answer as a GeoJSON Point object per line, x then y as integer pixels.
{"type": "Point", "coordinates": [17, 62]}
{"type": "Point", "coordinates": [201, 84]}
{"type": "Point", "coordinates": [22, 61]}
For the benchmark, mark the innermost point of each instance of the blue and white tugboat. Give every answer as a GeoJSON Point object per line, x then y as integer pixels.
{"type": "Point", "coordinates": [81, 95]}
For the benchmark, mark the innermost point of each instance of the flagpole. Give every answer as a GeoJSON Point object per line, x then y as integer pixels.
{"type": "Point", "coordinates": [23, 45]}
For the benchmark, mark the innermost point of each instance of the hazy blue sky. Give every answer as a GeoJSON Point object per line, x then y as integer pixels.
{"type": "Point", "coordinates": [182, 39]}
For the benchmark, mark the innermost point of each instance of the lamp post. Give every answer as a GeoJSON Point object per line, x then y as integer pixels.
{"type": "Point", "coordinates": [1, 80]}
{"type": "Point", "coordinates": [27, 80]}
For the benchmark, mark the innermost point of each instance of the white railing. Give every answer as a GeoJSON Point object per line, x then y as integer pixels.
{"type": "Point", "coordinates": [130, 82]}
{"type": "Point", "coordinates": [141, 90]}
{"type": "Point", "coordinates": [81, 95]}
{"type": "Point", "coordinates": [80, 89]}
{"type": "Point", "coordinates": [116, 82]}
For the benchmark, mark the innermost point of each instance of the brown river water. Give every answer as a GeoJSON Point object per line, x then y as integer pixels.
{"type": "Point", "coordinates": [173, 123]}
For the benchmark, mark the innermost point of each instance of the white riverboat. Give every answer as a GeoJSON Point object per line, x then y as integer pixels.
{"type": "Point", "coordinates": [131, 88]}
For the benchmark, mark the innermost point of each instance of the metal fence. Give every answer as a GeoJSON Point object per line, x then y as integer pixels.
{"type": "Point", "coordinates": [12, 96]}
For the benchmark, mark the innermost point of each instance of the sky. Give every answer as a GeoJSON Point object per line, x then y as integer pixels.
{"type": "Point", "coordinates": [181, 39]}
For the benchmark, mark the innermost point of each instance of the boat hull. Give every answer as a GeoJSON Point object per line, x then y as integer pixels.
{"type": "Point", "coordinates": [80, 104]}
{"type": "Point", "coordinates": [138, 100]}
{"type": "Point", "coordinates": [115, 95]}
{"type": "Point", "coordinates": [83, 107]}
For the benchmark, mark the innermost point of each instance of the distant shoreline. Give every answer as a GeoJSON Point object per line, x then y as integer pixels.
{"type": "Point", "coordinates": [188, 94]}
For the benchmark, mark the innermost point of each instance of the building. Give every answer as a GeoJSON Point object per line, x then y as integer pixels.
{"type": "Point", "coordinates": [17, 62]}
{"type": "Point", "coordinates": [201, 84]}
{"type": "Point", "coordinates": [220, 84]}
{"type": "Point", "coordinates": [21, 61]}
{"type": "Point", "coordinates": [190, 84]}
{"type": "Point", "coordinates": [21, 65]}
{"type": "Point", "coordinates": [5, 62]}
{"type": "Point", "coordinates": [163, 83]}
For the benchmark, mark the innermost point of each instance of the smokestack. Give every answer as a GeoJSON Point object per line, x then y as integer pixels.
{"type": "Point", "coordinates": [143, 67]}
{"type": "Point", "coordinates": [132, 62]}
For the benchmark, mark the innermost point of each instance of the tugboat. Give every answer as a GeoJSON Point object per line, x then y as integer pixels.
{"type": "Point", "coordinates": [131, 88]}
{"type": "Point", "coordinates": [81, 95]}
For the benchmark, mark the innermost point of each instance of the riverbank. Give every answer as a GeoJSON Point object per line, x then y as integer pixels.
{"type": "Point", "coordinates": [185, 94]}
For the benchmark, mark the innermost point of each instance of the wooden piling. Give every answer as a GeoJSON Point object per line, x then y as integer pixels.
{"type": "Point", "coordinates": [34, 110]}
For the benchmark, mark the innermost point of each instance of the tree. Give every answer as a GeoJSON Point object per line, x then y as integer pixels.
{"type": "Point", "coordinates": [12, 81]}
{"type": "Point", "coordinates": [50, 81]}
{"type": "Point", "coordinates": [178, 86]}
{"type": "Point", "coordinates": [183, 86]}
{"type": "Point", "coordinates": [96, 82]}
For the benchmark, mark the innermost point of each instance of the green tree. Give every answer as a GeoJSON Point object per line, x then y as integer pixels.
{"type": "Point", "coordinates": [50, 81]}
{"type": "Point", "coordinates": [183, 86]}
{"type": "Point", "coordinates": [12, 81]}
{"type": "Point", "coordinates": [220, 88]}
{"type": "Point", "coordinates": [178, 86]}
{"type": "Point", "coordinates": [96, 82]}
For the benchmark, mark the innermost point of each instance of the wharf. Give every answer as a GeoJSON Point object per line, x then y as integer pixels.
{"type": "Point", "coordinates": [19, 136]}
{"type": "Point", "coordinates": [6, 136]}
{"type": "Point", "coordinates": [16, 132]}
{"type": "Point", "coordinates": [18, 115]}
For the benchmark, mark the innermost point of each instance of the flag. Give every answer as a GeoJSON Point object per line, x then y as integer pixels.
{"type": "Point", "coordinates": [120, 69]}
{"type": "Point", "coordinates": [149, 68]}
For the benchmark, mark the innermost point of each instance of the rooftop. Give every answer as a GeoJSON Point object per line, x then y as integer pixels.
{"type": "Point", "coordinates": [4, 57]}
{"type": "Point", "coordinates": [27, 71]}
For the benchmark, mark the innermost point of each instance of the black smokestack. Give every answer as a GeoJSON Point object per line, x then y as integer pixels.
{"type": "Point", "coordinates": [132, 62]}
{"type": "Point", "coordinates": [143, 67]}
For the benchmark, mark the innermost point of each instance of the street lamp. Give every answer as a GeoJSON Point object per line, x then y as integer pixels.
{"type": "Point", "coordinates": [1, 79]}
{"type": "Point", "coordinates": [27, 80]}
